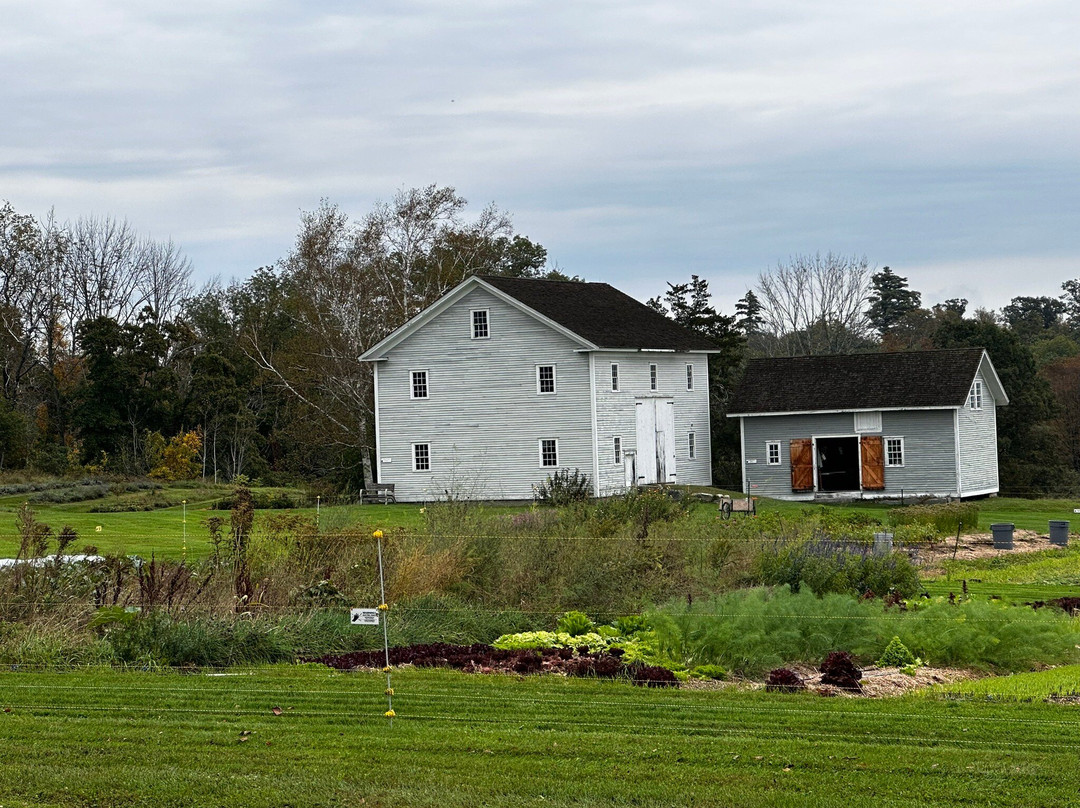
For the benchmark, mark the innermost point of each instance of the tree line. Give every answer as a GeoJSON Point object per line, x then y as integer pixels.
{"type": "Point", "coordinates": [111, 360]}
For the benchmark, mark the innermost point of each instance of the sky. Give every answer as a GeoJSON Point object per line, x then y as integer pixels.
{"type": "Point", "coordinates": [639, 142]}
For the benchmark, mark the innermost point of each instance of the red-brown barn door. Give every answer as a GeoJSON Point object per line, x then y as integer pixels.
{"type": "Point", "coordinates": [873, 463]}
{"type": "Point", "coordinates": [802, 465]}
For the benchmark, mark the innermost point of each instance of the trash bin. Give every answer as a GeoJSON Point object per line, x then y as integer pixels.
{"type": "Point", "coordinates": [1059, 533]}
{"type": "Point", "coordinates": [883, 543]}
{"type": "Point", "coordinates": [1003, 535]}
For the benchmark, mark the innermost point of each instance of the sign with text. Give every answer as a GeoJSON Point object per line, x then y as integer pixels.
{"type": "Point", "coordinates": [364, 617]}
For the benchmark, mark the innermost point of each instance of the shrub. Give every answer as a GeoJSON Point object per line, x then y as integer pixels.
{"type": "Point", "coordinates": [896, 655]}
{"type": "Point", "coordinates": [830, 566]}
{"type": "Point", "coordinates": [840, 670]}
{"type": "Point", "coordinates": [944, 517]}
{"type": "Point", "coordinates": [784, 680]}
{"type": "Point", "coordinates": [564, 487]}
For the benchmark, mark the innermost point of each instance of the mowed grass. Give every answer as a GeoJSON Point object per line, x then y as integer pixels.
{"type": "Point", "coordinates": [108, 738]}
{"type": "Point", "coordinates": [1063, 682]}
{"type": "Point", "coordinates": [1010, 593]}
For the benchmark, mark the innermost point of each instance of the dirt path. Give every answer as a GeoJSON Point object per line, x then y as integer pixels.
{"type": "Point", "coordinates": [980, 545]}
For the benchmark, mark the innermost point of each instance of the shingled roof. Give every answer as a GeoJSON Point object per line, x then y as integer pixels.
{"type": "Point", "coordinates": [869, 381]}
{"type": "Point", "coordinates": [601, 314]}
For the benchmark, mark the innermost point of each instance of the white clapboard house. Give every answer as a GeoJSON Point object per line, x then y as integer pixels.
{"type": "Point", "coordinates": [920, 423]}
{"type": "Point", "coordinates": [503, 381]}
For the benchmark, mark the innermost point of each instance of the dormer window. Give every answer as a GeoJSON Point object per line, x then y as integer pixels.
{"type": "Point", "coordinates": [480, 326]}
{"type": "Point", "coordinates": [975, 396]}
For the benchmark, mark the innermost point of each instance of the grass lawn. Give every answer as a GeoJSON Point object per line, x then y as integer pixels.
{"type": "Point", "coordinates": [107, 738]}
{"type": "Point", "coordinates": [1063, 682]}
{"type": "Point", "coordinates": [1012, 593]}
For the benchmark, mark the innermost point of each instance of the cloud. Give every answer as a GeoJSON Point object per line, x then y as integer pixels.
{"type": "Point", "coordinates": [638, 141]}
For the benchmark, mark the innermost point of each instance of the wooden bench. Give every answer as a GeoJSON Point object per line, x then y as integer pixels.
{"type": "Point", "coordinates": [382, 493]}
{"type": "Point", "coordinates": [744, 505]}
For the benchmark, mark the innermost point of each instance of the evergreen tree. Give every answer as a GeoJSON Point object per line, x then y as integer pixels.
{"type": "Point", "coordinates": [890, 300]}
{"type": "Point", "coordinates": [748, 314]}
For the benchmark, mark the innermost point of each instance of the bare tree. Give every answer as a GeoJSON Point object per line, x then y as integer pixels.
{"type": "Point", "coordinates": [104, 271]}
{"type": "Point", "coordinates": [166, 279]}
{"type": "Point", "coordinates": [31, 255]}
{"type": "Point", "coordinates": [816, 305]}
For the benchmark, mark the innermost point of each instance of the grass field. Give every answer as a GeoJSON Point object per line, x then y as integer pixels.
{"type": "Point", "coordinates": [162, 531]}
{"type": "Point", "coordinates": [1011, 593]}
{"type": "Point", "coordinates": [107, 738]}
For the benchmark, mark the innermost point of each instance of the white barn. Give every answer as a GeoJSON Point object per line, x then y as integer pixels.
{"type": "Point", "coordinates": [503, 381]}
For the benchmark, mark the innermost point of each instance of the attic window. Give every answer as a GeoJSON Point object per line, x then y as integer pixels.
{"type": "Point", "coordinates": [545, 379]}
{"type": "Point", "coordinates": [975, 396]}
{"type": "Point", "coordinates": [689, 377]}
{"type": "Point", "coordinates": [868, 421]}
{"type": "Point", "coordinates": [652, 377]}
{"type": "Point", "coordinates": [480, 328]}
{"type": "Point", "coordinates": [614, 377]}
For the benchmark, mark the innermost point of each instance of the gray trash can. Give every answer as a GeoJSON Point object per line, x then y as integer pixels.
{"type": "Point", "coordinates": [883, 543]}
{"type": "Point", "coordinates": [1059, 533]}
{"type": "Point", "coordinates": [1003, 535]}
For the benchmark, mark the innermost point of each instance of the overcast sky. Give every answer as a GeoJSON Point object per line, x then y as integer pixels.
{"type": "Point", "coordinates": [638, 142]}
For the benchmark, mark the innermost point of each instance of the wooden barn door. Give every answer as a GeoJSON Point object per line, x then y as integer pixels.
{"type": "Point", "coordinates": [873, 463]}
{"type": "Point", "coordinates": [802, 464]}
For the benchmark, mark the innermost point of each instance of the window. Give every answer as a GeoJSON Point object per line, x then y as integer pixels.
{"type": "Point", "coordinates": [419, 384]}
{"type": "Point", "coordinates": [652, 377]}
{"type": "Point", "coordinates": [691, 445]}
{"type": "Point", "coordinates": [868, 421]}
{"type": "Point", "coordinates": [421, 457]}
{"type": "Point", "coordinates": [894, 451]}
{"type": "Point", "coordinates": [549, 452]}
{"type": "Point", "coordinates": [480, 328]}
{"type": "Point", "coordinates": [689, 377]}
{"type": "Point", "coordinates": [975, 396]}
{"type": "Point", "coordinates": [614, 378]}
{"type": "Point", "coordinates": [772, 452]}
{"type": "Point", "coordinates": [618, 450]}
{"type": "Point", "coordinates": [545, 379]}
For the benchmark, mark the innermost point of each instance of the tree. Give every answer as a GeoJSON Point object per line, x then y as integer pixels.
{"type": "Point", "coordinates": [890, 300]}
{"type": "Point", "coordinates": [814, 305]}
{"type": "Point", "coordinates": [1031, 317]}
{"type": "Point", "coordinates": [1064, 379]}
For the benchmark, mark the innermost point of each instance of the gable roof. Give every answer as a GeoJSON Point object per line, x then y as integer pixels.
{"type": "Point", "coordinates": [595, 315]}
{"type": "Point", "coordinates": [872, 381]}
{"type": "Point", "coordinates": [602, 314]}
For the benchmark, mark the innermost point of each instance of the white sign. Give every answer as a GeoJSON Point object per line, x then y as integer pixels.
{"type": "Point", "coordinates": [364, 617]}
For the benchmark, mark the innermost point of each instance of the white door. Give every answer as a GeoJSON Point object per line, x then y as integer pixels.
{"type": "Point", "coordinates": [655, 441]}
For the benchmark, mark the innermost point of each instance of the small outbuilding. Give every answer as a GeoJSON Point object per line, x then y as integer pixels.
{"type": "Point", "coordinates": [919, 423]}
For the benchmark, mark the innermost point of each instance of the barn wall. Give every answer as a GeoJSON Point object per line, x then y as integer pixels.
{"type": "Point", "coordinates": [978, 444]}
{"type": "Point", "coordinates": [929, 450]}
{"type": "Point", "coordinates": [615, 411]}
{"type": "Point", "coordinates": [483, 418]}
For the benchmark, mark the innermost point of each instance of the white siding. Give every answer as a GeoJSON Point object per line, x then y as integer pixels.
{"type": "Point", "coordinates": [929, 450]}
{"type": "Point", "coordinates": [615, 411]}
{"type": "Point", "coordinates": [978, 444]}
{"type": "Point", "coordinates": [483, 417]}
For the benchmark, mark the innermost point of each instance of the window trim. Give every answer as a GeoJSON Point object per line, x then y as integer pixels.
{"type": "Point", "coordinates": [615, 382]}
{"type": "Point", "coordinates": [691, 445]}
{"type": "Point", "coordinates": [414, 457]}
{"type": "Point", "coordinates": [487, 323]}
{"type": "Point", "coordinates": [554, 380]}
{"type": "Point", "coordinates": [903, 452]}
{"type": "Point", "coordinates": [689, 376]}
{"type": "Point", "coordinates": [768, 456]}
{"type": "Point", "coordinates": [617, 446]}
{"type": "Point", "coordinates": [654, 376]}
{"type": "Point", "coordinates": [412, 385]}
{"type": "Point", "coordinates": [975, 395]}
{"type": "Point", "coordinates": [540, 452]}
